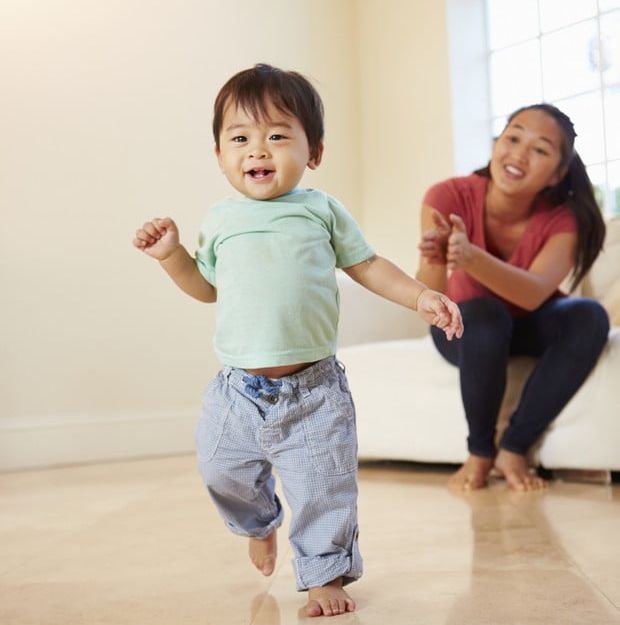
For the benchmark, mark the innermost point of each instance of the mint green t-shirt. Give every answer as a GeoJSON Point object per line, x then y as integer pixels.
{"type": "Point", "coordinates": [273, 263]}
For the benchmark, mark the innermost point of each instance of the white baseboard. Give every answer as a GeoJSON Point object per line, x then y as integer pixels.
{"type": "Point", "coordinates": [36, 442]}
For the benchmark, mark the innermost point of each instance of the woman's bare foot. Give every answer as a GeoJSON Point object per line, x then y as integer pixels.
{"type": "Point", "coordinates": [263, 552]}
{"type": "Point", "coordinates": [329, 600]}
{"type": "Point", "coordinates": [516, 471]}
{"type": "Point", "coordinates": [473, 474]}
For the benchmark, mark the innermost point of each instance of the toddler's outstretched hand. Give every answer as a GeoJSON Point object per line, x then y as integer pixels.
{"type": "Point", "coordinates": [439, 310]}
{"type": "Point", "coordinates": [158, 238]}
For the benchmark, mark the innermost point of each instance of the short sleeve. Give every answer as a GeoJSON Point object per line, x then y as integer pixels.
{"type": "Point", "coordinates": [562, 220]}
{"type": "Point", "coordinates": [205, 254]}
{"type": "Point", "coordinates": [347, 239]}
{"type": "Point", "coordinates": [444, 197]}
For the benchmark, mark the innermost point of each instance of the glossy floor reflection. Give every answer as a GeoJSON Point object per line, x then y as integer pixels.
{"type": "Point", "coordinates": [139, 543]}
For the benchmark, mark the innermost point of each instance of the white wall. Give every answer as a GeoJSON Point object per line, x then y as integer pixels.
{"type": "Point", "coordinates": [105, 121]}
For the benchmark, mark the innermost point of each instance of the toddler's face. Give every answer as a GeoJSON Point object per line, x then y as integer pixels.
{"type": "Point", "coordinates": [263, 158]}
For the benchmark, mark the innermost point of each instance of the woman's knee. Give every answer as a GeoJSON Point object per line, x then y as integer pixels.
{"type": "Point", "coordinates": [486, 340]}
{"type": "Point", "coordinates": [486, 309]}
{"type": "Point", "coordinates": [587, 317]}
{"type": "Point", "coordinates": [486, 317]}
{"type": "Point", "coordinates": [485, 344]}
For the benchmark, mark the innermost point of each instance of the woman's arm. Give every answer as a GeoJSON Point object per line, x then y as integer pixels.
{"type": "Point", "coordinates": [527, 288]}
{"type": "Point", "coordinates": [433, 246]}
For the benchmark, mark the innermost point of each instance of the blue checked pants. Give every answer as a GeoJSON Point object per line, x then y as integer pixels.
{"type": "Point", "coordinates": [302, 425]}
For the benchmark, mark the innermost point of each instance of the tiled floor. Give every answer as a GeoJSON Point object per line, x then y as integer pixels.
{"type": "Point", "coordinates": [139, 543]}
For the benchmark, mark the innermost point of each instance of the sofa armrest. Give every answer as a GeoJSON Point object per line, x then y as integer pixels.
{"type": "Point", "coordinates": [604, 272]}
{"type": "Point", "coordinates": [367, 318]}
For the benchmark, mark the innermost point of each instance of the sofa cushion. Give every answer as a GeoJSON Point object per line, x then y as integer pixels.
{"type": "Point", "coordinates": [611, 302]}
{"type": "Point", "coordinates": [605, 273]}
{"type": "Point", "coordinates": [409, 407]}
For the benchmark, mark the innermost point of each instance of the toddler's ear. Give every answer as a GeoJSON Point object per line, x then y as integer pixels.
{"type": "Point", "coordinates": [315, 160]}
{"type": "Point", "coordinates": [218, 155]}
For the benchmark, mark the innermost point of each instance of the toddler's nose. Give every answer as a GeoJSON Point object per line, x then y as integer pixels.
{"type": "Point", "coordinates": [259, 151]}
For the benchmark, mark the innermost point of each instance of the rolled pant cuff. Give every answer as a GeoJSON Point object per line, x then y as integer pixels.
{"type": "Point", "coordinates": [316, 571]}
{"type": "Point", "coordinates": [259, 531]}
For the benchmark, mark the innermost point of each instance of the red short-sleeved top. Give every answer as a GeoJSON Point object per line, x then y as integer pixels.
{"type": "Point", "coordinates": [466, 197]}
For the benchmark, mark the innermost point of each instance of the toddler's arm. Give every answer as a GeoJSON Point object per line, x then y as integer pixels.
{"type": "Point", "coordinates": [159, 239]}
{"type": "Point", "coordinates": [382, 277]}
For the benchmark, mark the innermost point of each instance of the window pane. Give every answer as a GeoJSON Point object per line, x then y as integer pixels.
{"type": "Point", "coordinates": [612, 122]}
{"type": "Point", "coordinates": [585, 112]}
{"type": "Point", "coordinates": [509, 22]}
{"type": "Point", "coordinates": [605, 5]}
{"type": "Point", "coordinates": [569, 59]}
{"type": "Point", "coordinates": [596, 173]}
{"type": "Point", "coordinates": [499, 123]}
{"type": "Point", "coordinates": [613, 171]}
{"type": "Point", "coordinates": [610, 42]}
{"type": "Point", "coordinates": [515, 78]}
{"type": "Point", "coordinates": [557, 13]}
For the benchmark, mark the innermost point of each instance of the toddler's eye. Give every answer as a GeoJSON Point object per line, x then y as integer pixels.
{"type": "Point", "coordinates": [277, 137]}
{"type": "Point", "coordinates": [238, 139]}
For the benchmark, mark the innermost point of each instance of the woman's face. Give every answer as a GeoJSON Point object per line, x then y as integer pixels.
{"type": "Point", "coordinates": [526, 156]}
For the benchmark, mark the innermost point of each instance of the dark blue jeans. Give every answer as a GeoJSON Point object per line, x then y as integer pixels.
{"type": "Point", "coordinates": [567, 336]}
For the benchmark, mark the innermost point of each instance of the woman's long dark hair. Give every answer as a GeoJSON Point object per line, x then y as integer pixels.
{"type": "Point", "coordinates": [574, 191]}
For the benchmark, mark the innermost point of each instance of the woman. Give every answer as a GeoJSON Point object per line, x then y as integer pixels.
{"type": "Point", "coordinates": [499, 242]}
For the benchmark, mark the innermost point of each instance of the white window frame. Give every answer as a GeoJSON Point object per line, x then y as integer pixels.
{"type": "Point", "coordinates": [472, 118]}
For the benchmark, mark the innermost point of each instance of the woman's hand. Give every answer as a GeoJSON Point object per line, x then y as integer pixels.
{"type": "Point", "coordinates": [158, 238]}
{"type": "Point", "coordinates": [460, 251]}
{"type": "Point", "coordinates": [434, 243]}
{"type": "Point", "coordinates": [439, 310]}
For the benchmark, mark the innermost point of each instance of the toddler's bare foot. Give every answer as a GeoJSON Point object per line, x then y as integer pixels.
{"type": "Point", "coordinates": [517, 473]}
{"type": "Point", "coordinates": [473, 474]}
{"type": "Point", "coordinates": [329, 600]}
{"type": "Point", "coordinates": [263, 552]}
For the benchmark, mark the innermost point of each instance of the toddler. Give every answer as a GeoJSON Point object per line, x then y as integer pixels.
{"type": "Point", "coordinates": [281, 400]}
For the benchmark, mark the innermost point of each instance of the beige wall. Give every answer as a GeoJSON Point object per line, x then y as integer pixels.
{"type": "Point", "coordinates": [405, 117]}
{"type": "Point", "coordinates": [105, 121]}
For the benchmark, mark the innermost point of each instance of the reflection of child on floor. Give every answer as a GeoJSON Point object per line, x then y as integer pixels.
{"type": "Point", "coordinates": [282, 399]}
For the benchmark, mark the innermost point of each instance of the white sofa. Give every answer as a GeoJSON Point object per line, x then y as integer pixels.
{"type": "Point", "coordinates": [408, 400]}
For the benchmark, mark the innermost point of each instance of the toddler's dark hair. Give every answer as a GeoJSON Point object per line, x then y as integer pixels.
{"type": "Point", "coordinates": [290, 92]}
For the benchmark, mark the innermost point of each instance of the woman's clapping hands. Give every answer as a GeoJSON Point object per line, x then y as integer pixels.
{"type": "Point", "coordinates": [447, 243]}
